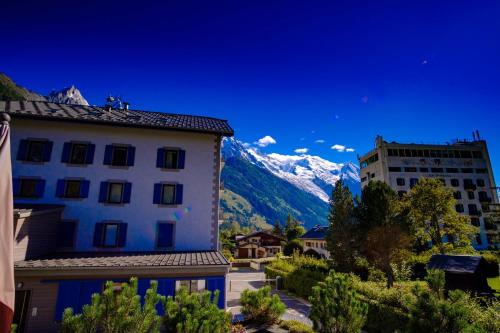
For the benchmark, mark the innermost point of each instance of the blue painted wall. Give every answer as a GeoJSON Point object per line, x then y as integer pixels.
{"type": "Point", "coordinates": [76, 293]}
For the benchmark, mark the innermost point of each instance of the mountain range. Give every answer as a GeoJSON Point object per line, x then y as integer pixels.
{"type": "Point", "coordinates": [257, 188]}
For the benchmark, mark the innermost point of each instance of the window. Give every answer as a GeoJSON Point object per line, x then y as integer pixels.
{"type": "Point", "coordinates": [110, 234]}
{"type": "Point", "coordinates": [72, 188]}
{"type": "Point", "coordinates": [483, 196]}
{"type": "Point", "coordinates": [475, 221]}
{"type": "Point", "coordinates": [119, 155]}
{"type": "Point", "coordinates": [28, 187]}
{"type": "Point", "coordinates": [192, 286]}
{"type": "Point", "coordinates": [78, 153]}
{"type": "Point", "coordinates": [477, 154]}
{"type": "Point", "coordinates": [413, 182]}
{"type": "Point", "coordinates": [481, 171]}
{"type": "Point", "coordinates": [165, 235]}
{"type": "Point", "coordinates": [454, 183]}
{"type": "Point", "coordinates": [392, 152]}
{"type": "Point", "coordinates": [66, 234]}
{"type": "Point", "coordinates": [452, 170]}
{"type": "Point", "coordinates": [469, 184]}
{"type": "Point", "coordinates": [457, 195]}
{"type": "Point", "coordinates": [364, 179]}
{"type": "Point", "coordinates": [459, 208]}
{"type": "Point", "coordinates": [466, 170]}
{"type": "Point", "coordinates": [394, 169]}
{"type": "Point", "coordinates": [466, 154]}
{"type": "Point", "coordinates": [424, 169]}
{"type": "Point", "coordinates": [34, 151]}
{"type": "Point", "coordinates": [437, 170]}
{"type": "Point", "coordinates": [410, 169]}
{"type": "Point", "coordinates": [480, 182]}
{"type": "Point", "coordinates": [170, 158]}
{"type": "Point", "coordinates": [115, 192]}
{"type": "Point", "coordinates": [400, 181]}
{"type": "Point", "coordinates": [473, 209]}
{"type": "Point", "coordinates": [168, 194]}
{"type": "Point", "coordinates": [470, 195]}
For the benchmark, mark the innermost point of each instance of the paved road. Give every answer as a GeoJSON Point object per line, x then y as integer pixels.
{"type": "Point", "coordinates": [297, 309]}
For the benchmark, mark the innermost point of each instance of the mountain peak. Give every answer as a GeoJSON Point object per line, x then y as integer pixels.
{"type": "Point", "coordinates": [68, 95]}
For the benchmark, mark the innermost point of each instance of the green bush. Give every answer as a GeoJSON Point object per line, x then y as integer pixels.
{"type": "Point", "coordinates": [336, 306]}
{"type": "Point", "coordinates": [293, 246]}
{"type": "Point", "coordinates": [260, 306]}
{"type": "Point", "coordinates": [383, 318]}
{"type": "Point", "coordinates": [112, 312]}
{"type": "Point", "coordinates": [436, 281]}
{"type": "Point", "coordinates": [294, 326]}
{"type": "Point", "coordinates": [195, 312]}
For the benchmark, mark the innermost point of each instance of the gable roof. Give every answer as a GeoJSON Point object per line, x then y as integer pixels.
{"type": "Point", "coordinates": [455, 263]}
{"type": "Point", "coordinates": [115, 117]}
{"type": "Point", "coordinates": [256, 233]}
{"type": "Point", "coordinates": [317, 232]}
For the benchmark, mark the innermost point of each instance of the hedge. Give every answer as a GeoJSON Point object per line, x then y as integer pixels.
{"type": "Point", "coordinates": [300, 281]}
{"type": "Point", "coordinates": [383, 318]}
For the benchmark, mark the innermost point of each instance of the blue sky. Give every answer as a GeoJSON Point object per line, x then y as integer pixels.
{"type": "Point", "coordinates": [298, 71]}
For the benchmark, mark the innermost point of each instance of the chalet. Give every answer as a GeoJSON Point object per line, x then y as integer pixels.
{"type": "Point", "coordinates": [462, 272]}
{"type": "Point", "coordinates": [259, 244]}
{"type": "Point", "coordinates": [106, 194]}
{"type": "Point", "coordinates": [314, 242]}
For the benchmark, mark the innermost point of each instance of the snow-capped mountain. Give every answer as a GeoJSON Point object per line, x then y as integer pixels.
{"type": "Point", "coordinates": [312, 174]}
{"type": "Point", "coordinates": [69, 95]}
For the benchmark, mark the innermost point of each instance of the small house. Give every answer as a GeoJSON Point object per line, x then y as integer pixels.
{"type": "Point", "coordinates": [259, 244]}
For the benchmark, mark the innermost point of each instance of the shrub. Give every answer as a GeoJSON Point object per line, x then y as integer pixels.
{"type": "Point", "coordinates": [292, 246]}
{"type": "Point", "coordinates": [260, 306]}
{"type": "Point", "coordinates": [116, 312]}
{"type": "Point", "coordinates": [493, 262]}
{"type": "Point", "coordinates": [195, 312]}
{"type": "Point", "coordinates": [402, 271]}
{"type": "Point", "coordinates": [375, 274]}
{"type": "Point", "coordinates": [418, 265]}
{"type": "Point", "coordinates": [336, 306]}
{"type": "Point", "coordinates": [294, 326]}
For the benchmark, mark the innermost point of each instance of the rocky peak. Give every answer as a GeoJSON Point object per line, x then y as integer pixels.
{"type": "Point", "coordinates": [70, 95]}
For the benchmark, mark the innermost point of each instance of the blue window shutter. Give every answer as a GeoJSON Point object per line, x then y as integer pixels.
{"type": "Point", "coordinates": [108, 152]}
{"type": "Point", "coordinates": [131, 156]}
{"type": "Point", "coordinates": [66, 236]}
{"type": "Point", "coordinates": [65, 153]}
{"type": "Point", "coordinates": [89, 159]}
{"type": "Point", "coordinates": [160, 158]}
{"type": "Point", "coordinates": [84, 189]}
{"type": "Point", "coordinates": [16, 186]}
{"type": "Point", "coordinates": [157, 194]}
{"type": "Point", "coordinates": [182, 159]}
{"type": "Point", "coordinates": [217, 283]}
{"type": "Point", "coordinates": [68, 295]}
{"type": "Point", "coordinates": [98, 230]}
{"type": "Point", "coordinates": [103, 192]}
{"type": "Point", "coordinates": [47, 150]}
{"type": "Point", "coordinates": [178, 194]}
{"type": "Point", "coordinates": [39, 188]}
{"type": "Point", "coordinates": [122, 234]}
{"type": "Point", "coordinates": [165, 234]}
{"type": "Point", "coordinates": [60, 188]}
{"type": "Point", "coordinates": [21, 153]}
{"type": "Point", "coordinates": [127, 190]}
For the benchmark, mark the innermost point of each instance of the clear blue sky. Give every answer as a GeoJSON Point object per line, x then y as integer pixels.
{"type": "Point", "coordinates": [299, 71]}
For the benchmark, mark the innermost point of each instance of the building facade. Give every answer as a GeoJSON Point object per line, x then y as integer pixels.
{"type": "Point", "coordinates": [138, 193]}
{"type": "Point", "coordinates": [315, 240]}
{"type": "Point", "coordinates": [259, 244]}
{"type": "Point", "coordinates": [464, 166]}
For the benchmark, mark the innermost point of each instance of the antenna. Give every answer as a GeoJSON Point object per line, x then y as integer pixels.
{"type": "Point", "coordinates": [474, 135]}
{"type": "Point", "coordinates": [477, 134]}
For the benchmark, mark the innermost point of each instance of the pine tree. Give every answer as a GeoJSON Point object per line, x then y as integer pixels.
{"type": "Point", "coordinates": [277, 230]}
{"type": "Point", "coordinates": [336, 307]}
{"type": "Point", "coordinates": [260, 306]}
{"type": "Point", "coordinates": [342, 231]}
{"type": "Point", "coordinates": [293, 228]}
{"type": "Point", "coordinates": [113, 311]}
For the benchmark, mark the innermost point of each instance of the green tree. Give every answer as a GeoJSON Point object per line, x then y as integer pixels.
{"type": "Point", "coordinates": [112, 311]}
{"type": "Point", "coordinates": [341, 238]}
{"type": "Point", "coordinates": [432, 216]}
{"type": "Point", "coordinates": [196, 312]}
{"type": "Point", "coordinates": [292, 246]}
{"type": "Point", "coordinates": [277, 229]}
{"type": "Point", "coordinates": [336, 307]}
{"type": "Point", "coordinates": [293, 228]}
{"type": "Point", "coordinates": [261, 307]}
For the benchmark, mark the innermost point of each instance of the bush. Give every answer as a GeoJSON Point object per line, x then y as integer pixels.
{"type": "Point", "coordinates": [336, 306]}
{"type": "Point", "coordinates": [493, 262]}
{"type": "Point", "coordinates": [294, 326]}
{"type": "Point", "coordinates": [418, 265]}
{"type": "Point", "coordinates": [402, 271]}
{"type": "Point", "coordinates": [293, 246]}
{"type": "Point", "coordinates": [383, 318]}
{"type": "Point", "coordinates": [436, 281]}
{"type": "Point", "coordinates": [112, 312]}
{"type": "Point", "coordinates": [195, 312]}
{"type": "Point", "coordinates": [261, 307]}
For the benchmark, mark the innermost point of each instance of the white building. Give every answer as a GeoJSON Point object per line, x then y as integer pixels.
{"type": "Point", "coordinates": [315, 240]}
{"type": "Point", "coordinates": [463, 166]}
{"type": "Point", "coordinates": [131, 183]}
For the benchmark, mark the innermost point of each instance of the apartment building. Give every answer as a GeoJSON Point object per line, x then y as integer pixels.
{"type": "Point", "coordinates": [463, 166]}
{"type": "Point", "coordinates": [106, 194]}
{"type": "Point", "coordinates": [315, 240]}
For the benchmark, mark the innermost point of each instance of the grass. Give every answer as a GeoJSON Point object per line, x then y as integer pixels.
{"type": "Point", "coordinates": [495, 283]}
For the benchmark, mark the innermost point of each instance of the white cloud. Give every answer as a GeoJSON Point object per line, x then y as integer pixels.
{"type": "Point", "coordinates": [246, 144]}
{"type": "Point", "coordinates": [301, 150]}
{"type": "Point", "coordinates": [342, 148]}
{"type": "Point", "coordinates": [319, 141]}
{"type": "Point", "coordinates": [265, 141]}
{"type": "Point", "coordinates": [338, 148]}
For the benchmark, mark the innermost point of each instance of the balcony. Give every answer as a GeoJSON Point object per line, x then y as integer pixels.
{"type": "Point", "coordinates": [470, 187]}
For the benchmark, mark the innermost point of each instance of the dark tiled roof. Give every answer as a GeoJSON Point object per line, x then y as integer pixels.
{"type": "Point", "coordinates": [455, 264]}
{"type": "Point", "coordinates": [115, 117]}
{"type": "Point", "coordinates": [260, 232]}
{"type": "Point", "coordinates": [318, 232]}
{"type": "Point", "coordinates": [105, 260]}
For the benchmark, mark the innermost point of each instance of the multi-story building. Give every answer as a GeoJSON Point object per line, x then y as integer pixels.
{"type": "Point", "coordinates": [315, 240]}
{"type": "Point", "coordinates": [107, 194]}
{"type": "Point", "coordinates": [463, 166]}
